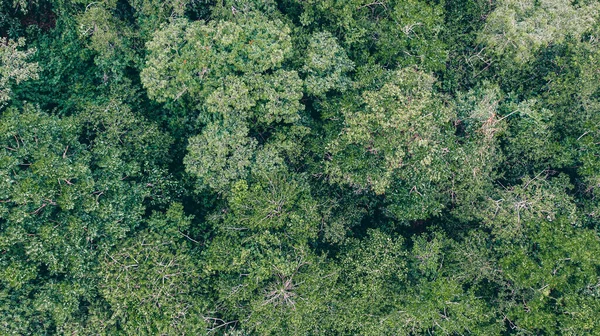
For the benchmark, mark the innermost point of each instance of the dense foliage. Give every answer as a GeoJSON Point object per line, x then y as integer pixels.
{"type": "Point", "coordinates": [299, 167]}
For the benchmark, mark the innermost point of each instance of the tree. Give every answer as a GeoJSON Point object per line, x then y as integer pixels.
{"type": "Point", "coordinates": [151, 281]}
{"type": "Point", "coordinates": [326, 65]}
{"type": "Point", "coordinates": [520, 28]}
{"type": "Point", "coordinates": [186, 58]}
{"type": "Point", "coordinates": [63, 203]}
{"type": "Point", "coordinates": [14, 66]}
{"type": "Point", "coordinates": [392, 33]}
{"type": "Point", "coordinates": [234, 70]}
{"type": "Point", "coordinates": [394, 141]}
{"type": "Point", "coordinates": [261, 259]}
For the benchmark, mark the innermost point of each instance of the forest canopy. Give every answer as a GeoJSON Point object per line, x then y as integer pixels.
{"type": "Point", "coordinates": [299, 167]}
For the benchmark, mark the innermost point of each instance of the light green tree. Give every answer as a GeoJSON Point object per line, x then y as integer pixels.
{"type": "Point", "coordinates": [326, 65]}
{"type": "Point", "coordinates": [14, 66]}
{"type": "Point", "coordinates": [519, 29]}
